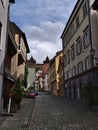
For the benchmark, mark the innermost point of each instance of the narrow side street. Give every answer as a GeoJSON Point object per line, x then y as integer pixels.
{"type": "Point", "coordinates": [48, 112]}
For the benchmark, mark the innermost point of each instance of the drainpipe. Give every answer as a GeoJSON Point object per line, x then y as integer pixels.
{"type": "Point", "coordinates": [92, 51]}
{"type": "Point", "coordinates": [5, 54]}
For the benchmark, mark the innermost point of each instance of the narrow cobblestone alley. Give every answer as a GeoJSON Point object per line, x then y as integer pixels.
{"type": "Point", "coordinates": [48, 112]}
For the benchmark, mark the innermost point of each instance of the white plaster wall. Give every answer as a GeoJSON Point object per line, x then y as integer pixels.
{"type": "Point", "coordinates": [3, 20]}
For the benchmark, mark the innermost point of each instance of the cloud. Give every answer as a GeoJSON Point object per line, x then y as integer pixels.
{"type": "Point", "coordinates": [43, 22]}
{"type": "Point", "coordinates": [47, 31]}
{"type": "Point", "coordinates": [44, 40]}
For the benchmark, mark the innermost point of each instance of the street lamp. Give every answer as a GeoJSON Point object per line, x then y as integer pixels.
{"type": "Point", "coordinates": [92, 53]}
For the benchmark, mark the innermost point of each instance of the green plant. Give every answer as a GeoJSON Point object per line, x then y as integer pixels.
{"type": "Point", "coordinates": [90, 91]}
{"type": "Point", "coordinates": [17, 93]}
{"type": "Point", "coordinates": [25, 76]}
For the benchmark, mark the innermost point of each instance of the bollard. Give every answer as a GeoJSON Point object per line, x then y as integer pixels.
{"type": "Point", "coordinates": [9, 105]}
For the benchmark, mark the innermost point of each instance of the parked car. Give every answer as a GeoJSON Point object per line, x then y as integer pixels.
{"type": "Point", "coordinates": [36, 92]}
{"type": "Point", "coordinates": [31, 94]}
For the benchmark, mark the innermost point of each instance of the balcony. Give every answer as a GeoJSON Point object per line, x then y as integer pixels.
{"type": "Point", "coordinates": [11, 51]}
{"type": "Point", "coordinates": [11, 45]}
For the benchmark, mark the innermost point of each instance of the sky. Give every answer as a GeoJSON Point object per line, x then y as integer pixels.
{"type": "Point", "coordinates": [43, 22]}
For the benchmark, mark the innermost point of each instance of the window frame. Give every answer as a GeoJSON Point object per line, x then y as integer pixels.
{"type": "Point", "coordinates": [65, 60]}
{"type": "Point", "coordinates": [77, 22]}
{"type": "Point", "coordinates": [85, 9]}
{"type": "Point", "coordinates": [80, 67]}
{"type": "Point", "coordinates": [73, 70]}
{"type": "Point", "coordinates": [78, 46]}
{"type": "Point", "coordinates": [87, 62]}
{"type": "Point", "coordinates": [73, 52]}
{"type": "Point", "coordinates": [68, 56]}
{"type": "Point", "coordinates": [86, 37]}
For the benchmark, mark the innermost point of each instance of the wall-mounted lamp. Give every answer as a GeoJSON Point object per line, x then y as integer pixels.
{"type": "Point", "coordinates": [92, 53]}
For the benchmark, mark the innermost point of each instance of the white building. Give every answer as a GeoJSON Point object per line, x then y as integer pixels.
{"type": "Point", "coordinates": [4, 11]}
{"type": "Point", "coordinates": [80, 48]}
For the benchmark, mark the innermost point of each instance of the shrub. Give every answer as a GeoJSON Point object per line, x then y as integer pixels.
{"type": "Point", "coordinates": [17, 93]}
{"type": "Point", "coordinates": [90, 91]}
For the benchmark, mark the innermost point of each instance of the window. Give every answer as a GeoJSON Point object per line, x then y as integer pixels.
{"type": "Point", "coordinates": [85, 9]}
{"type": "Point", "coordinates": [72, 29]}
{"type": "Point", "coordinates": [73, 52]}
{"type": "Point", "coordinates": [74, 71]}
{"type": "Point", "coordinates": [80, 67]}
{"type": "Point", "coordinates": [77, 22]}
{"type": "Point", "coordinates": [68, 56]}
{"type": "Point", "coordinates": [87, 63]}
{"type": "Point", "coordinates": [65, 60]}
{"type": "Point", "coordinates": [69, 74]}
{"type": "Point", "coordinates": [68, 36]}
{"type": "Point", "coordinates": [0, 32]}
{"type": "Point", "coordinates": [78, 45]}
{"type": "Point", "coordinates": [66, 75]}
{"type": "Point", "coordinates": [65, 41]}
{"type": "Point", "coordinates": [20, 43]}
{"type": "Point", "coordinates": [86, 37]}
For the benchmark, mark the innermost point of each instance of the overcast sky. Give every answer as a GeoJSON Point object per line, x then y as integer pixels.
{"type": "Point", "coordinates": [43, 22]}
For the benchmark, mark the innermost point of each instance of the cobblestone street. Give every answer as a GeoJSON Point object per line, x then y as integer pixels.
{"type": "Point", "coordinates": [54, 113]}
{"type": "Point", "coordinates": [48, 112]}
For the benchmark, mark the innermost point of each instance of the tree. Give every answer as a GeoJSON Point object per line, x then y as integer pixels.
{"type": "Point", "coordinates": [25, 76]}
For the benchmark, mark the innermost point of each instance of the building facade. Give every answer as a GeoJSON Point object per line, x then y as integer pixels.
{"type": "Point", "coordinates": [9, 80]}
{"type": "Point", "coordinates": [31, 65]}
{"type": "Point", "coordinates": [18, 61]}
{"type": "Point", "coordinates": [61, 76]}
{"type": "Point", "coordinates": [4, 15]}
{"type": "Point", "coordinates": [52, 77]}
{"type": "Point", "coordinates": [80, 49]}
{"type": "Point", "coordinates": [45, 72]}
{"type": "Point", "coordinates": [54, 74]}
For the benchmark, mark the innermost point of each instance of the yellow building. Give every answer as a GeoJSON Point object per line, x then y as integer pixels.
{"type": "Point", "coordinates": [61, 76]}
{"type": "Point", "coordinates": [53, 74]}
{"type": "Point", "coordinates": [18, 61]}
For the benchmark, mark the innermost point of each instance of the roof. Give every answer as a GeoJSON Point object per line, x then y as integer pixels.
{"type": "Point", "coordinates": [46, 60]}
{"type": "Point", "coordinates": [15, 29]}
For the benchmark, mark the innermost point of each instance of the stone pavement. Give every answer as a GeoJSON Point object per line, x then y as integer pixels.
{"type": "Point", "coordinates": [21, 119]}
{"type": "Point", "coordinates": [48, 112]}
{"type": "Point", "coordinates": [54, 113]}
